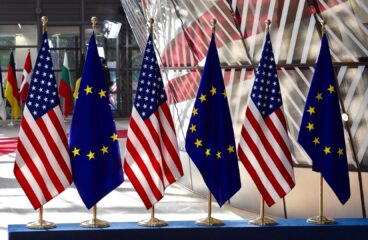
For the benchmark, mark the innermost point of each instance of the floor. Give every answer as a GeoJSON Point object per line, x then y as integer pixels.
{"type": "Point", "coordinates": [121, 205]}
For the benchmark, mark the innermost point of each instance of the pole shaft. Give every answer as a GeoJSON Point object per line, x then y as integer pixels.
{"type": "Point", "coordinates": [321, 197]}
{"type": "Point", "coordinates": [209, 205]}
{"type": "Point", "coordinates": [41, 216]}
{"type": "Point", "coordinates": [94, 213]}
{"type": "Point", "coordinates": [261, 210]}
{"type": "Point", "coordinates": [152, 213]}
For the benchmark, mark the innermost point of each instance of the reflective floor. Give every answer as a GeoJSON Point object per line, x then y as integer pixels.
{"type": "Point", "coordinates": [122, 205]}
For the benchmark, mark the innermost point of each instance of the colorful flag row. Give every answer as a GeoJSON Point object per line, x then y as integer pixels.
{"type": "Point", "coordinates": [46, 165]}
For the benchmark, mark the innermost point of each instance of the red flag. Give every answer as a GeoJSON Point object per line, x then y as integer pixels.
{"type": "Point", "coordinates": [26, 77]}
{"type": "Point", "coordinates": [42, 162]}
{"type": "Point", "coordinates": [64, 87]}
{"type": "Point", "coordinates": [264, 142]}
{"type": "Point", "coordinates": [152, 157]}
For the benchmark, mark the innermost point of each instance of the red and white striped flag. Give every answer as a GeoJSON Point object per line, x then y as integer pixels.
{"type": "Point", "coordinates": [42, 162]}
{"type": "Point", "coordinates": [152, 157]}
{"type": "Point", "coordinates": [264, 142]}
{"type": "Point", "coordinates": [26, 77]}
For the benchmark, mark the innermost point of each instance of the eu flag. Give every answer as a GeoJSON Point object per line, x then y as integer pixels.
{"type": "Point", "coordinates": [321, 131]}
{"type": "Point", "coordinates": [94, 148]}
{"type": "Point", "coordinates": [210, 136]}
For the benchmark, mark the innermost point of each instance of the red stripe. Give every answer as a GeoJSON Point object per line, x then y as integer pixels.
{"type": "Point", "coordinates": [282, 119]}
{"type": "Point", "coordinates": [26, 187]}
{"type": "Point", "coordinates": [137, 185]}
{"type": "Point", "coordinates": [39, 150]}
{"type": "Point", "coordinates": [61, 134]}
{"type": "Point", "coordinates": [142, 166]}
{"type": "Point", "coordinates": [262, 162]}
{"type": "Point", "coordinates": [169, 142]}
{"type": "Point", "coordinates": [147, 148]}
{"type": "Point", "coordinates": [252, 172]}
{"type": "Point", "coordinates": [55, 151]}
{"type": "Point", "coordinates": [270, 150]}
{"type": "Point", "coordinates": [34, 171]}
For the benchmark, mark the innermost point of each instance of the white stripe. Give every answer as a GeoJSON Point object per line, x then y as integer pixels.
{"type": "Point", "coordinates": [272, 141]}
{"type": "Point", "coordinates": [353, 86]}
{"type": "Point", "coordinates": [254, 29]}
{"type": "Point", "coordinates": [360, 114]}
{"type": "Point", "coordinates": [145, 158]}
{"type": "Point", "coordinates": [341, 74]}
{"type": "Point", "coordinates": [280, 33]}
{"type": "Point", "coordinates": [301, 74]}
{"type": "Point", "coordinates": [257, 168]}
{"type": "Point", "coordinates": [362, 148]}
{"type": "Point", "coordinates": [172, 139]}
{"type": "Point", "coordinates": [294, 35]}
{"type": "Point", "coordinates": [308, 40]}
{"type": "Point", "coordinates": [233, 5]}
{"type": "Point", "coordinates": [28, 146]}
{"type": "Point", "coordinates": [29, 178]}
{"type": "Point", "coordinates": [139, 175]}
{"type": "Point", "coordinates": [293, 83]}
{"type": "Point", "coordinates": [271, 9]}
{"type": "Point", "coordinates": [244, 17]}
{"type": "Point", "coordinates": [45, 146]}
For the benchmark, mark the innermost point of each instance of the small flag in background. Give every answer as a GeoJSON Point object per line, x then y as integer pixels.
{"type": "Point", "coordinates": [11, 90]}
{"type": "Point", "coordinates": [26, 77]}
{"type": "Point", "coordinates": [42, 162]}
{"type": "Point", "coordinates": [321, 130]}
{"type": "Point", "coordinates": [152, 156]}
{"type": "Point", "coordinates": [94, 147]}
{"type": "Point", "coordinates": [65, 90]}
{"type": "Point", "coordinates": [210, 138]}
{"type": "Point", "coordinates": [79, 76]}
{"type": "Point", "coordinates": [264, 141]}
{"type": "Point", "coordinates": [2, 98]}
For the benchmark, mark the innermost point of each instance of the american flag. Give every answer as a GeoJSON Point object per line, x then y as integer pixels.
{"type": "Point", "coordinates": [151, 158]}
{"type": "Point", "coordinates": [42, 162]}
{"type": "Point", "coordinates": [264, 142]}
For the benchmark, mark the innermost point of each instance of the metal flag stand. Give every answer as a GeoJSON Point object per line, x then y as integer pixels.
{"type": "Point", "coordinates": [152, 221]}
{"type": "Point", "coordinates": [41, 223]}
{"type": "Point", "coordinates": [320, 219]}
{"type": "Point", "coordinates": [209, 220]}
{"type": "Point", "coordinates": [262, 220]}
{"type": "Point", "coordinates": [94, 222]}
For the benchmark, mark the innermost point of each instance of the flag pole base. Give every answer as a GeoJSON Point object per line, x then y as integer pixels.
{"type": "Point", "coordinates": [320, 220]}
{"type": "Point", "coordinates": [95, 223]}
{"type": "Point", "coordinates": [152, 222]}
{"type": "Point", "coordinates": [41, 225]}
{"type": "Point", "coordinates": [262, 221]}
{"type": "Point", "coordinates": [210, 221]}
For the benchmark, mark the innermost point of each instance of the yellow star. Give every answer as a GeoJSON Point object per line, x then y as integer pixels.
{"type": "Point", "coordinates": [114, 137]}
{"type": "Point", "coordinates": [331, 89]}
{"type": "Point", "coordinates": [310, 126]}
{"type": "Point", "coordinates": [213, 90]}
{"type": "Point", "coordinates": [208, 152]}
{"type": "Point", "coordinates": [311, 110]}
{"type": "Point", "coordinates": [193, 128]}
{"type": "Point", "coordinates": [104, 149]}
{"type": "Point", "coordinates": [102, 93]}
{"type": "Point", "coordinates": [202, 97]}
{"type": "Point", "coordinates": [327, 150]}
{"type": "Point", "coordinates": [316, 141]}
{"type": "Point", "coordinates": [218, 154]}
{"type": "Point", "coordinates": [91, 155]}
{"type": "Point", "coordinates": [230, 149]}
{"type": "Point", "coordinates": [76, 151]}
{"type": "Point", "coordinates": [340, 152]}
{"type": "Point", "coordinates": [88, 90]}
{"type": "Point", "coordinates": [198, 143]}
{"type": "Point", "coordinates": [319, 97]}
{"type": "Point", "coordinates": [195, 111]}
{"type": "Point", "coordinates": [224, 93]}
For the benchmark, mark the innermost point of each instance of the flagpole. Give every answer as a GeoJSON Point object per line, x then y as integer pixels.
{"type": "Point", "coordinates": [152, 221]}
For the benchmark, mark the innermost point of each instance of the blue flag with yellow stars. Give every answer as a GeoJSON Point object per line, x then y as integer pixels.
{"type": "Point", "coordinates": [321, 131]}
{"type": "Point", "coordinates": [210, 137]}
{"type": "Point", "coordinates": [93, 145]}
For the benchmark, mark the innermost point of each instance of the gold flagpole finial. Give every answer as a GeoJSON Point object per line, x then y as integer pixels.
{"type": "Point", "coordinates": [213, 24]}
{"type": "Point", "coordinates": [44, 21]}
{"type": "Point", "coordinates": [94, 22]}
{"type": "Point", "coordinates": [323, 26]}
{"type": "Point", "coordinates": [150, 25]}
{"type": "Point", "coordinates": [268, 24]}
